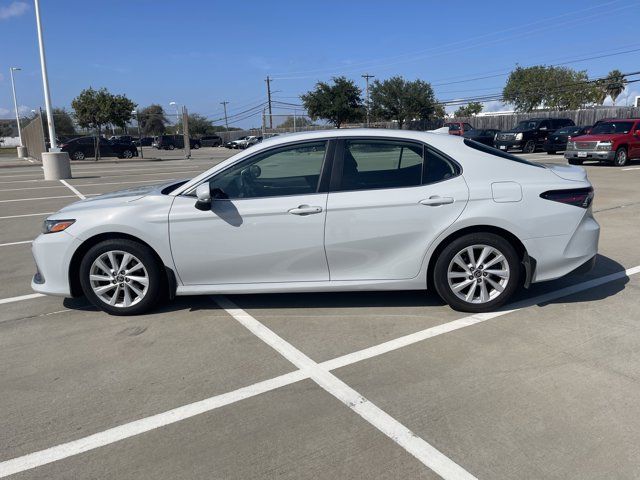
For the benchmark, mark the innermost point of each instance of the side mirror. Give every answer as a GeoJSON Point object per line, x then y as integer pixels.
{"type": "Point", "coordinates": [203, 194]}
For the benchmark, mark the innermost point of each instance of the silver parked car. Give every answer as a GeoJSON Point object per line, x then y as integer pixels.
{"type": "Point", "coordinates": [329, 211]}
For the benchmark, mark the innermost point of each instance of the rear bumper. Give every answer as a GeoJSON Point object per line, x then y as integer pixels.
{"type": "Point", "coordinates": [560, 255]}
{"type": "Point", "coordinates": [590, 155]}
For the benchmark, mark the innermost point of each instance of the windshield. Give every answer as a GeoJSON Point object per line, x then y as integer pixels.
{"type": "Point", "coordinates": [526, 125]}
{"type": "Point", "coordinates": [454, 126]}
{"type": "Point", "coordinates": [612, 127]}
{"type": "Point", "coordinates": [568, 130]}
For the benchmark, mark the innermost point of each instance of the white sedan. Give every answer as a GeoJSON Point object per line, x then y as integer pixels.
{"type": "Point", "coordinates": [332, 210]}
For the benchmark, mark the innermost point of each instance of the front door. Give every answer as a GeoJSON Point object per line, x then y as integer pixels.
{"type": "Point", "coordinates": [266, 224]}
{"type": "Point", "coordinates": [391, 200]}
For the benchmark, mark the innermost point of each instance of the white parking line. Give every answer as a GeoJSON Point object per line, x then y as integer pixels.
{"type": "Point", "coordinates": [15, 243]}
{"type": "Point", "coordinates": [42, 198]}
{"type": "Point", "coordinates": [20, 298]}
{"type": "Point", "coordinates": [113, 170]}
{"type": "Point", "coordinates": [34, 180]}
{"type": "Point", "coordinates": [73, 189]}
{"type": "Point", "coordinates": [630, 168]}
{"type": "Point", "coordinates": [127, 430]}
{"type": "Point", "coordinates": [412, 443]}
{"type": "Point", "coordinates": [26, 215]}
{"type": "Point", "coordinates": [84, 185]}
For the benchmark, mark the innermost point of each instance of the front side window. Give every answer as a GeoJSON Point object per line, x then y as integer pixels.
{"type": "Point", "coordinates": [290, 170]}
{"type": "Point", "coordinates": [372, 164]}
{"type": "Point", "coordinates": [612, 128]}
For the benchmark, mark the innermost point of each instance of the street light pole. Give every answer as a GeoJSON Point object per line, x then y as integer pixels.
{"type": "Point", "coordinates": [137, 113]}
{"type": "Point", "coordinates": [45, 82]}
{"type": "Point", "coordinates": [15, 102]}
{"type": "Point", "coordinates": [177, 116]}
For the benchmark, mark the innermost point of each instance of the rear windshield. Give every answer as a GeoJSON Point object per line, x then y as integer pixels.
{"type": "Point", "coordinates": [498, 153]}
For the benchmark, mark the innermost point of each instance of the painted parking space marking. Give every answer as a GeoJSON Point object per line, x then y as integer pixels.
{"type": "Point", "coordinates": [23, 242]}
{"type": "Point", "coordinates": [20, 298]}
{"type": "Point", "coordinates": [84, 185]}
{"type": "Point", "coordinates": [41, 198]}
{"type": "Point", "coordinates": [73, 189]}
{"type": "Point", "coordinates": [26, 215]}
{"type": "Point", "coordinates": [385, 423]}
{"type": "Point", "coordinates": [122, 432]}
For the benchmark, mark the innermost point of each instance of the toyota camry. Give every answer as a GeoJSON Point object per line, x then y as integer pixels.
{"type": "Point", "coordinates": [339, 210]}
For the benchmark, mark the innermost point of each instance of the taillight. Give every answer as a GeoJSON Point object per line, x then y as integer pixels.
{"type": "Point", "coordinates": [578, 197]}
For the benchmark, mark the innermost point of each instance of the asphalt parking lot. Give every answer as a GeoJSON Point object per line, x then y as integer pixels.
{"type": "Point", "coordinates": [347, 385]}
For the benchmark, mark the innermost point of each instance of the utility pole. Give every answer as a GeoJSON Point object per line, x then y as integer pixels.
{"type": "Point", "coordinates": [366, 76]}
{"type": "Point", "coordinates": [15, 102]}
{"type": "Point", "coordinates": [268, 80]}
{"type": "Point", "coordinates": [226, 123]}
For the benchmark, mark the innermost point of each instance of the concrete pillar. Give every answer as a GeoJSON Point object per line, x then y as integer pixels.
{"type": "Point", "coordinates": [56, 165]}
{"type": "Point", "coordinates": [22, 152]}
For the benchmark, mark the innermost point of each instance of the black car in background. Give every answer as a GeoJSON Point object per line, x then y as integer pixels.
{"type": "Point", "coordinates": [486, 136]}
{"type": "Point", "coordinates": [211, 141]}
{"type": "Point", "coordinates": [171, 142]}
{"type": "Point", "coordinates": [84, 147]}
{"type": "Point", "coordinates": [531, 134]}
{"type": "Point", "coordinates": [557, 141]}
{"type": "Point", "coordinates": [143, 142]}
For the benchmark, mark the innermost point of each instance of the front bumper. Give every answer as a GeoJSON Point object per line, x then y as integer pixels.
{"type": "Point", "coordinates": [52, 253]}
{"type": "Point", "coordinates": [608, 155]}
{"type": "Point", "coordinates": [509, 144]}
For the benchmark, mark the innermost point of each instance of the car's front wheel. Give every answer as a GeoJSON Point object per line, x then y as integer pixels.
{"type": "Point", "coordinates": [620, 159]}
{"type": "Point", "coordinates": [477, 272]}
{"type": "Point", "coordinates": [127, 154]}
{"type": "Point", "coordinates": [529, 147]}
{"type": "Point", "coordinates": [121, 277]}
{"type": "Point", "coordinates": [78, 155]}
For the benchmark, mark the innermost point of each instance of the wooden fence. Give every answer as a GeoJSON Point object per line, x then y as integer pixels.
{"type": "Point", "coordinates": [33, 137]}
{"type": "Point", "coordinates": [586, 116]}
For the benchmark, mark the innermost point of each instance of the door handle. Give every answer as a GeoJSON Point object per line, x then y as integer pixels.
{"type": "Point", "coordinates": [436, 201]}
{"type": "Point", "coordinates": [305, 210]}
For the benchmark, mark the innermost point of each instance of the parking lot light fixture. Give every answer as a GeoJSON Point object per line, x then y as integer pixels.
{"type": "Point", "coordinates": [174, 104]}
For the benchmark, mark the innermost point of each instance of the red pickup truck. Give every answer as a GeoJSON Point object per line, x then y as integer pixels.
{"type": "Point", "coordinates": [613, 140]}
{"type": "Point", "coordinates": [458, 128]}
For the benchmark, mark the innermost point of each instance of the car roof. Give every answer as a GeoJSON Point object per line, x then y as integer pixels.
{"type": "Point", "coordinates": [619, 119]}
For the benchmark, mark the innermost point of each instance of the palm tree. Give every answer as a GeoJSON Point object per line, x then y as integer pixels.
{"type": "Point", "coordinates": [615, 84]}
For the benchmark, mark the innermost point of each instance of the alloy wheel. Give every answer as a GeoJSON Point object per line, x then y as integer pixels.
{"type": "Point", "coordinates": [127, 154]}
{"type": "Point", "coordinates": [478, 274]}
{"type": "Point", "coordinates": [621, 157]}
{"type": "Point", "coordinates": [119, 278]}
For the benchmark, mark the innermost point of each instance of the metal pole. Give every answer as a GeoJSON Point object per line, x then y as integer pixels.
{"type": "Point", "coordinates": [268, 80]}
{"type": "Point", "coordinates": [366, 76]}
{"type": "Point", "coordinates": [45, 82]}
{"type": "Point", "coordinates": [263, 122]}
{"type": "Point", "coordinates": [139, 133]}
{"type": "Point", "coordinates": [294, 120]}
{"type": "Point", "coordinates": [226, 122]}
{"type": "Point", "coordinates": [15, 103]}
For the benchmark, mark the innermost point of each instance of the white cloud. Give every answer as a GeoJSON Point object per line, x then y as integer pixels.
{"type": "Point", "coordinates": [627, 97]}
{"type": "Point", "coordinates": [4, 112]}
{"type": "Point", "coordinates": [23, 110]}
{"type": "Point", "coordinates": [14, 9]}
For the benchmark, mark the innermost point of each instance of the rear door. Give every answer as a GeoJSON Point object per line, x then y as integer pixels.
{"type": "Point", "coordinates": [388, 200]}
{"type": "Point", "coordinates": [634, 142]}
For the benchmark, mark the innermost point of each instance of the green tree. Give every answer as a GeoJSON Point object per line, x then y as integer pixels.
{"type": "Point", "coordinates": [401, 100]}
{"type": "Point", "coordinates": [198, 125]}
{"type": "Point", "coordinates": [299, 122]}
{"type": "Point", "coordinates": [6, 128]}
{"type": "Point", "coordinates": [95, 108]}
{"type": "Point", "coordinates": [63, 122]}
{"type": "Point", "coordinates": [469, 110]}
{"type": "Point", "coordinates": [615, 84]}
{"type": "Point", "coordinates": [559, 88]}
{"type": "Point", "coordinates": [338, 102]}
{"type": "Point", "coordinates": [153, 120]}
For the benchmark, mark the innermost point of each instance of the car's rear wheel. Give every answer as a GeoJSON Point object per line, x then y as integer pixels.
{"type": "Point", "coordinates": [121, 277]}
{"type": "Point", "coordinates": [78, 155]}
{"type": "Point", "coordinates": [171, 147]}
{"type": "Point", "coordinates": [477, 272]}
{"type": "Point", "coordinates": [127, 154]}
{"type": "Point", "coordinates": [620, 159]}
{"type": "Point", "coordinates": [196, 146]}
{"type": "Point", "coordinates": [529, 147]}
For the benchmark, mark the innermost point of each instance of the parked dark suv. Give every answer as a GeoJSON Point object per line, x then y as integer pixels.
{"type": "Point", "coordinates": [531, 134]}
{"type": "Point", "coordinates": [211, 141]}
{"type": "Point", "coordinates": [170, 142]}
{"type": "Point", "coordinates": [84, 147]}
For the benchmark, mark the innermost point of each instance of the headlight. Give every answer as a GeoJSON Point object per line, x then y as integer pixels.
{"type": "Point", "coordinates": [604, 146]}
{"type": "Point", "coordinates": [571, 145]}
{"type": "Point", "coordinates": [518, 136]}
{"type": "Point", "coordinates": [53, 226]}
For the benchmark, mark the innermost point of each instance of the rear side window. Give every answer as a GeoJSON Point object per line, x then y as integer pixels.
{"type": "Point", "coordinates": [498, 153]}
{"type": "Point", "coordinates": [437, 167]}
{"type": "Point", "coordinates": [372, 164]}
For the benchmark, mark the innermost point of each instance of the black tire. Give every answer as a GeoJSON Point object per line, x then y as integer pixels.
{"type": "Point", "coordinates": [127, 154]}
{"type": "Point", "coordinates": [78, 155]}
{"type": "Point", "coordinates": [575, 161]}
{"type": "Point", "coordinates": [441, 271]}
{"type": "Point", "coordinates": [621, 158]}
{"type": "Point", "coordinates": [551, 152]}
{"type": "Point", "coordinates": [196, 146]}
{"type": "Point", "coordinates": [529, 147]}
{"type": "Point", "coordinates": [157, 280]}
{"type": "Point", "coordinates": [171, 147]}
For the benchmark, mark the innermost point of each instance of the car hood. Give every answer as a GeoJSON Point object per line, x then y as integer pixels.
{"type": "Point", "coordinates": [513, 130]}
{"type": "Point", "coordinates": [568, 172]}
{"type": "Point", "coordinates": [602, 137]}
{"type": "Point", "coordinates": [121, 196]}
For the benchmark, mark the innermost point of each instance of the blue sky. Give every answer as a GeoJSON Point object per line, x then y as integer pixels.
{"type": "Point", "coordinates": [199, 53]}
